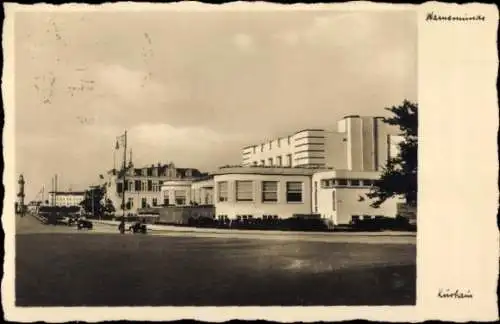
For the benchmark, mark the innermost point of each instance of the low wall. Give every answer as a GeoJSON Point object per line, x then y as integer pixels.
{"type": "Point", "coordinates": [179, 214]}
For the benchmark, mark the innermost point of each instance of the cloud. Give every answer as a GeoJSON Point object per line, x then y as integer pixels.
{"type": "Point", "coordinates": [182, 137]}
{"type": "Point", "coordinates": [290, 38]}
{"type": "Point", "coordinates": [243, 42]}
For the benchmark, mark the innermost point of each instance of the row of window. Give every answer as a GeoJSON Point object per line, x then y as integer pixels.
{"type": "Point", "coordinates": [277, 161]}
{"type": "Point", "coordinates": [330, 183]}
{"type": "Point", "coordinates": [154, 202]}
{"type": "Point", "coordinates": [270, 144]}
{"type": "Point", "coordinates": [244, 191]}
{"type": "Point", "coordinates": [140, 185]}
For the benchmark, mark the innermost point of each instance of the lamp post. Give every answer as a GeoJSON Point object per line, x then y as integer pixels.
{"type": "Point", "coordinates": [124, 175]}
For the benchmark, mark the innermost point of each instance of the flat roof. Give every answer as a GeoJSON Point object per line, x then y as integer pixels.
{"type": "Point", "coordinates": [268, 170]}
{"type": "Point", "coordinates": [349, 174]}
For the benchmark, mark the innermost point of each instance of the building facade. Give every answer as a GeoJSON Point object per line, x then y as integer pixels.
{"type": "Point", "coordinates": [152, 186]}
{"type": "Point", "coordinates": [280, 192]}
{"type": "Point", "coordinates": [358, 144]}
{"type": "Point", "coordinates": [242, 192]}
{"type": "Point", "coordinates": [66, 198]}
{"type": "Point", "coordinates": [341, 196]}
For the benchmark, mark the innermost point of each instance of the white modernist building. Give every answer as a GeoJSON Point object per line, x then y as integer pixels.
{"type": "Point", "coordinates": [312, 171]}
{"type": "Point", "coordinates": [358, 144]}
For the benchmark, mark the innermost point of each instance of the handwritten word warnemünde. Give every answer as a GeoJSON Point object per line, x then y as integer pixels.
{"type": "Point", "coordinates": [433, 17]}
{"type": "Point", "coordinates": [454, 294]}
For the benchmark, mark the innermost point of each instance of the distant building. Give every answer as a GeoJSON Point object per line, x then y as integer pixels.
{"type": "Point", "coordinates": [151, 186]}
{"type": "Point", "coordinates": [358, 144]}
{"type": "Point", "coordinates": [66, 198]}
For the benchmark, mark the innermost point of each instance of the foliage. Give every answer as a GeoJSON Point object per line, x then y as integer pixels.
{"type": "Point", "coordinates": [93, 201]}
{"type": "Point", "coordinates": [399, 176]}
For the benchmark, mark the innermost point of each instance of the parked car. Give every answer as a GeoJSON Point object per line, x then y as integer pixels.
{"type": "Point", "coordinates": [84, 224]}
{"type": "Point", "coordinates": [138, 227]}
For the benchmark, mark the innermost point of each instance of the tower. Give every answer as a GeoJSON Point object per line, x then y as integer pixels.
{"type": "Point", "coordinates": [20, 195]}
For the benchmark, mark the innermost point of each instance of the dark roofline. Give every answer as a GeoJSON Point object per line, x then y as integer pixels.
{"type": "Point", "coordinates": [74, 193]}
{"type": "Point", "coordinates": [308, 129]}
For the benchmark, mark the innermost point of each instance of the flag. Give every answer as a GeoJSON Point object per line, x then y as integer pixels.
{"type": "Point", "coordinates": [120, 140]}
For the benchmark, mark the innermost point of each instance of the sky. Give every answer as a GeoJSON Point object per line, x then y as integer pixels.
{"type": "Point", "coordinates": [195, 87]}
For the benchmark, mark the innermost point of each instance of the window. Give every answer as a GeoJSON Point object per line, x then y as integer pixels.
{"type": "Point", "coordinates": [368, 183]}
{"type": "Point", "coordinates": [278, 161]}
{"type": "Point", "coordinates": [270, 161]}
{"type": "Point", "coordinates": [262, 147]}
{"type": "Point", "coordinates": [244, 191]}
{"type": "Point", "coordinates": [270, 145]}
{"type": "Point", "coordinates": [342, 182]}
{"type": "Point", "coordinates": [324, 183]}
{"type": "Point", "coordinates": [334, 201]}
{"type": "Point", "coordinates": [150, 185]}
{"type": "Point", "coordinates": [144, 202]}
{"type": "Point", "coordinates": [315, 196]}
{"type": "Point", "coordinates": [222, 191]}
{"type": "Point", "coordinates": [150, 172]}
{"type": "Point", "coordinates": [270, 191]}
{"type": "Point", "coordinates": [288, 140]}
{"type": "Point", "coordinates": [165, 202]}
{"type": "Point", "coordinates": [355, 182]}
{"type": "Point", "coordinates": [137, 185]}
{"type": "Point", "coordinates": [294, 191]}
{"type": "Point", "coordinates": [119, 187]}
{"type": "Point", "coordinates": [180, 197]}
{"type": "Point", "coordinates": [155, 202]}
{"type": "Point", "coordinates": [278, 142]}
{"type": "Point", "coordinates": [289, 160]}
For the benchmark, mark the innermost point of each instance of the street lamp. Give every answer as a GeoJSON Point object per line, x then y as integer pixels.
{"type": "Point", "coordinates": [124, 175]}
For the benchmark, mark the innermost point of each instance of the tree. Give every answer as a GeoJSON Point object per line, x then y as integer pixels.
{"type": "Point", "coordinates": [399, 176]}
{"type": "Point", "coordinates": [92, 201]}
{"type": "Point", "coordinates": [109, 207]}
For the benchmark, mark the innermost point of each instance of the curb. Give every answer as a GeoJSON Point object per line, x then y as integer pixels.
{"type": "Point", "coordinates": [263, 232]}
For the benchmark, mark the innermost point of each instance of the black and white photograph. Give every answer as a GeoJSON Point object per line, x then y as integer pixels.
{"type": "Point", "coordinates": [215, 157]}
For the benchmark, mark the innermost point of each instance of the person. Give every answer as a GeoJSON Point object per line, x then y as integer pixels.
{"type": "Point", "coordinates": [121, 227]}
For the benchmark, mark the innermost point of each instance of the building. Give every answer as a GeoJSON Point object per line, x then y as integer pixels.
{"type": "Point", "coordinates": [358, 144]}
{"type": "Point", "coordinates": [262, 192]}
{"type": "Point", "coordinates": [313, 171]}
{"type": "Point", "coordinates": [66, 198]}
{"type": "Point", "coordinates": [151, 186]}
{"type": "Point", "coordinates": [341, 196]}
{"type": "Point", "coordinates": [281, 192]}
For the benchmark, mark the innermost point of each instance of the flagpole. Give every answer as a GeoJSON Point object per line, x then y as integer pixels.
{"type": "Point", "coordinates": [124, 172]}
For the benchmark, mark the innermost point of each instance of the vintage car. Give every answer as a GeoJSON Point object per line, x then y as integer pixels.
{"type": "Point", "coordinates": [138, 227]}
{"type": "Point", "coordinates": [83, 224]}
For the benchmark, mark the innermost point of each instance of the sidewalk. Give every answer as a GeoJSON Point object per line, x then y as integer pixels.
{"type": "Point", "coordinates": [170, 228]}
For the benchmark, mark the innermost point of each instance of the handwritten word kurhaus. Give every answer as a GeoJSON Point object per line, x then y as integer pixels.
{"type": "Point", "coordinates": [431, 16]}
{"type": "Point", "coordinates": [457, 294]}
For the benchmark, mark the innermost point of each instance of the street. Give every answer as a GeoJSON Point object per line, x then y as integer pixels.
{"type": "Point", "coordinates": [60, 266]}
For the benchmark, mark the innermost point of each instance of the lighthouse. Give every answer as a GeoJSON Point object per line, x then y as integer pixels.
{"type": "Point", "coordinates": [20, 196]}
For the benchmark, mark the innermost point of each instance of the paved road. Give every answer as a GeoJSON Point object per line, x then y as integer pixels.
{"type": "Point", "coordinates": [28, 224]}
